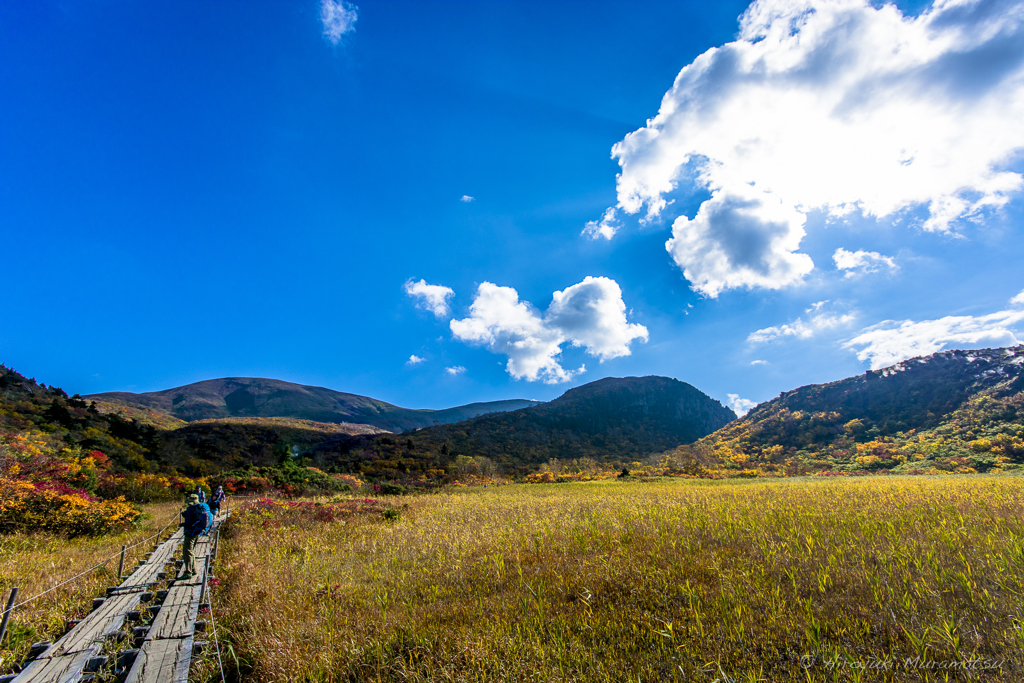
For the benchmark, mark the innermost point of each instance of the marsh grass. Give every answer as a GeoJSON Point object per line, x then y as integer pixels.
{"type": "Point", "coordinates": [36, 562]}
{"type": "Point", "coordinates": [835, 580]}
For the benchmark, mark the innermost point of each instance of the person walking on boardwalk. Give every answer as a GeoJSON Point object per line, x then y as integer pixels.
{"type": "Point", "coordinates": [197, 521]}
{"type": "Point", "coordinates": [215, 501]}
{"type": "Point", "coordinates": [200, 493]}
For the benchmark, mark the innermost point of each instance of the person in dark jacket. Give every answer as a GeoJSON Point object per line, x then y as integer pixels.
{"type": "Point", "coordinates": [215, 501]}
{"type": "Point", "coordinates": [196, 523]}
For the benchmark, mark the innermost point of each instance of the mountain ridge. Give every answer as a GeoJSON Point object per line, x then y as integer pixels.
{"type": "Point", "coordinates": [613, 419]}
{"type": "Point", "coordinates": [957, 410]}
{"type": "Point", "coordinates": [263, 397]}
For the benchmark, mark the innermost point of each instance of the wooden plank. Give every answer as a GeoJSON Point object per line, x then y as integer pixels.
{"type": "Point", "coordinates": [65, 669]}
{"type": "Point", "coordinates": [162, 661]}
{"type": "Point", "coordinates": [107, 619]}
{"type": "Point", "coordinates": [146, 574]}
{"type": "Point", "coordinates": [177, 616]}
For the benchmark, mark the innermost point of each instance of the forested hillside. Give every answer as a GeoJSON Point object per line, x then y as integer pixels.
{"type": "Point", "coordinates": [613, 420]}
{"type": "Point", "coordinates": [26, 405]}
{"type": "Point", "coordinates": [955, 411]}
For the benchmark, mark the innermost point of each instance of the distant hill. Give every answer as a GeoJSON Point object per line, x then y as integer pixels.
{"type": "Point", "coordinates": [613, 419]}
{"type": "Point", "coordinates": [257, 397]}
{"type": "Point", "coordinates": [950, 411]}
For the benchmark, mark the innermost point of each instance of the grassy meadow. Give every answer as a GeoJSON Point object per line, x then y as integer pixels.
{"type": "Point", "coordinates": [830, 579]}
{"type": "Point", "coordinates": [38, 561]}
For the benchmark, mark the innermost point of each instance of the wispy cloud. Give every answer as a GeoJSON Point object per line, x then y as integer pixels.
{"type": "Point", "coordinates": [590, 314]}
{"type": "Point", "coordinates": [1018, 300]}
{"type": "Point", "coordinates": [433, 298]}
{"type": "Point", "coordinates": [455, 370]}
{"type": "Point", "coordinates": [466, 199]}
{"type": "Point", "coordinates": [759, 362]}
{"type": "Point", "coordinates": [819, 320]}
{"type": "Point", "coordinates": [891, 341]}
{"type": "Point", "coordinates": [414, 360]}
{"type": "Point", "coordinates": [338, 18]}
{"type": "Point", "coordinates": [606, 227]}
{"type": "Point", "coordinates": [843, 106]}
{"type": "Point", "coordinates": [861, 262]}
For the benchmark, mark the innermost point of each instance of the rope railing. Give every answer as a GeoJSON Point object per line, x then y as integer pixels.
{"type": "Point", "coordinates": [94, 567]}
{"type": "Point", "coordinates": [213, 623]}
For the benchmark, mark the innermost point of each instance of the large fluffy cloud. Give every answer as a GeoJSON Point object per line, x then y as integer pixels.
{"type": "Point", "coordinates": [836, 105]}
{"type": "Point", "coordinates": [891, 341]}
{"type": "Point", "coordinates": [433, 298]}
{"type": "Point", "coordinates": [740, 237]}
{"type": "Point", "coordinates": [590, 314]}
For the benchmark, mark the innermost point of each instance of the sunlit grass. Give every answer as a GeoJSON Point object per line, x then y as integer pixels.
{"type": "Point", "coordinates": [36, 562]}
{"type": "Point", "coordinates": [663, 581]}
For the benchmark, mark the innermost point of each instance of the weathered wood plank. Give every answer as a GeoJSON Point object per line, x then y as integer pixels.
{"type": "Point", "coordinates": [104, 621]}
{"type": "Point", "coordinates": [177, 616]}
{"type": "Point", "coordinates": [162, 661]}
{"type": "Point", "coordinates": [146, 574]}
{"type": "Point", "coordinates": [65, 669]}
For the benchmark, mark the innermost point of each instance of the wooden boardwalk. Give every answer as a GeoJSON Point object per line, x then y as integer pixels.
{"type": "Point", "coordinates": [165, 651]}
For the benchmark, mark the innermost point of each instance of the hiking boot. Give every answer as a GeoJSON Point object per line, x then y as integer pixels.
{"type": "Point", "coordinates": [186, 576]}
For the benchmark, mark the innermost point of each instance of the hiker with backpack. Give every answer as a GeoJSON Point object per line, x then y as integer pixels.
{"type": "Point", "coordinates": [215, 501]}
{"type": "Point", "coordinates": [196, 523]}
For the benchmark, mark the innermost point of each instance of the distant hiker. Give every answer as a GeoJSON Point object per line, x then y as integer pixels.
{"type": "Point", "coordinates": [216, 500]}
{"type": "Point", "coordinates": [197, 520]}
{"type": "Point", "coordinates": [200, 493]}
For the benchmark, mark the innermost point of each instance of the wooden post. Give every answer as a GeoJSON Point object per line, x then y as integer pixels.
{"type": "Point", "coordinates": [206, 578]}
{"type": "Point", "coordinates": [7, 612]}
{"type": "Point", "coordinates": [120, 567]}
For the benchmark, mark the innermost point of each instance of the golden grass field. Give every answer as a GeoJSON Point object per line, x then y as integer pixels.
{"type": "Point", "coordinates": [852, 579]}
{"type": "Point", "coordinates": [37, 562]}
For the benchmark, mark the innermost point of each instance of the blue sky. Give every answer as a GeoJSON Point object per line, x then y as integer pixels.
{"type": "Point", "coordinates": [364, 195]}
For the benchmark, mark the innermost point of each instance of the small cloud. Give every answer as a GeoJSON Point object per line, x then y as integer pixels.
{"type": "Point", "coordinates": [433, 298]}
{"type": "Point", "coordinates": [466, 199]}
{"type": "Point", "coordinates": [455, 370]}
{"type": "Point", "coordinates": [339, 18]}
{"type": "Point", "coordinates": [741, 406]}
{"type": "Point", "coordinates": [414, 360]}
{"type": "Point", "coordinates": [759, 362]}
{"type": "Point", "coordinates": [1018, 300]}
{"type": "Point", "coordinates": [606, 227]}
{"type": "Point", "coordinates": [862, 262]}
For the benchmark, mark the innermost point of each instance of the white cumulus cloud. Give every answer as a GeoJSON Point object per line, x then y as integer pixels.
{"type": "Point", "coordinates": [759, 362]}
{"type": "Point", "coordinates": [740, 406]}
{"type": "Point", "coordinates": [1018, 300]}
{"type": "Point", "coordinates": [338, 18]}
{"type": "Point", "coordinates": [455, 370]}
{"type": "Point", "coordinates": [590, 314]}
{"type": "Point", "coordinates": [466, 199]}
{"type": "Point", "coordinates": [433, 298]}
{"type": "Point", "coordinates": [861, 262]}
{"type": "Point", "coordinates": [819, 321]}
{"type": "Point", "coordinates": [891, 341]}
{"type": "Point", "coordinates": [741, 237]}
{"type": "Point", "coordinates": [837, 105]}
{"type": "Point", "coordinates": [414, 360]}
